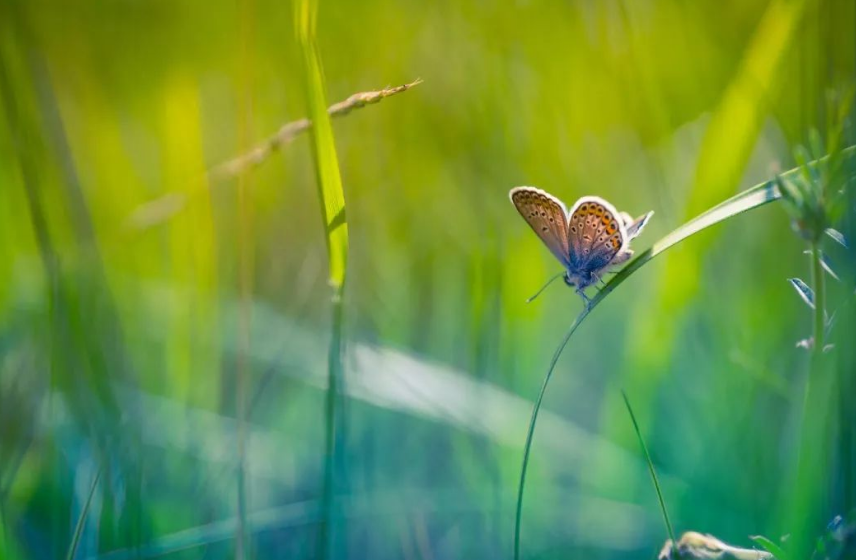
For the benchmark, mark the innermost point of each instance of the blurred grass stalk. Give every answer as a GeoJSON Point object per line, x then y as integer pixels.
{"type": "Point", "coordinates": [245, 273]}
{"type": "Point", "coordinates": [811, 201]}
{"type": "Point", "coordinates": [164, 207]}
{"type": "Point", "coordinates": [332, 200]}
{"type": "Point", "coordinates": [30, 149]}
{"type": "Point", "coordinates": [292, 130]}
{"type": "Point", "coordinates": [805, 499]}
{"type": "Point", "coordinates": [84, 512]}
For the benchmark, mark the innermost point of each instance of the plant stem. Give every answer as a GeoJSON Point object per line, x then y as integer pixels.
{"type": "Point", "coordinates": [804, 507]}
{"type": "Point", "coordinates": [332, 198]}
{"type": "Point", "coordinates": [650, 469]}
{"type": "Point", "coordinates": [245, 273]}
{"type": "Point", "coordinates": [78, 529]}
{"type": "Point", "coordinates": [532, 421]}
{"type": "Point", "coordinates": [334, 369]}
{"type": "Point", "coordinates": [819, 300]}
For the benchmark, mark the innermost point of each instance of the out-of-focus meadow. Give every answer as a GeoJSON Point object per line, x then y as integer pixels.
{"type": "Point", "coordinates": [165, 333]}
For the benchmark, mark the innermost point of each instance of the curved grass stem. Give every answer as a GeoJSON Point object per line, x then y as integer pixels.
{"type": "Point", "coordinates": [531, 431]}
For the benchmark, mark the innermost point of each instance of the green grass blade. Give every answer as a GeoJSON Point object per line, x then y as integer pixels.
{"type": "Point", "coordinates": [749, 199]}
{"type": "Point", "coordinates": [81, 521]}
{"type": "Point", "coordinates": [332, 197]}
{"type": "Point", "coordinates": [324, 149]}
{"type": "Point", "coordinates": [770, 547]}
{"type": "Point", "coordinates": [650, 468]}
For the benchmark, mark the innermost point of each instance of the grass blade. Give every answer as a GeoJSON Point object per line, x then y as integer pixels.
{"type": "Point", "coordinates": [650, 468]}
{"type": "Point", "coordinates": [770, 547]}
{"type": "Point", "coordinates": [332, 198]}
{"type": "Point", "coordinates": [749, 199]}
{"type": "Point", "coordinates": [81, 521]}
{"type": "Point", "coordinates": [329, 178]}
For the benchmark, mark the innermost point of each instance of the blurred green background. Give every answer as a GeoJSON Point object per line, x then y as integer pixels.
{"type": "Point", "coordinates": [129, 349]}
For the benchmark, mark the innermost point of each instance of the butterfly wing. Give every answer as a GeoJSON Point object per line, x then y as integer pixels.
{"type": "Point", "coordinates": [596, 234]}
{"type": "Point", "coordinates": [547, 217]}
{"type": "Point", "coordinates": [634, 227]}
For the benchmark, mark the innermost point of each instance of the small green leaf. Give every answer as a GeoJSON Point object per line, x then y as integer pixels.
{"type": "Point", "coordinates": [837, 236]}
{"type": "Point", "coordinates": [790, 194]}
{"type": "Point", "coordinates": [825, 263]}
{"type": "Point", "coordinates": [804, 291]}
{"type": "Point", "coordinates": [771, 547]}
{"type": "Point", "coordinates": [808, 169]}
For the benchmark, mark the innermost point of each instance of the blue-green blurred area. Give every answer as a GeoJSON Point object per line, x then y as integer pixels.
{"type": "Point", "coordinates": [130, 349]}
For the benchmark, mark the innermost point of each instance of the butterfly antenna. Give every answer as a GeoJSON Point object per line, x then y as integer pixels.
{"type": "Point", "coordinates": [544, 287]}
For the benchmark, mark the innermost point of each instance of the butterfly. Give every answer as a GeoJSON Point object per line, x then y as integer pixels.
{"type": "Point", "coordinates": [589, 240]}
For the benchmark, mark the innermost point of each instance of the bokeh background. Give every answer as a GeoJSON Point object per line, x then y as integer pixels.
{"type": "Point", "coordinates": [131, 346]}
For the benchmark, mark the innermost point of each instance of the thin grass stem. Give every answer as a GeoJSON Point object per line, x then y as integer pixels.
{"type": "Point", "coordinates": [332, 198]}
{"type": "Point", "coordinates": [808, 486]}
{"type": "Point", "coordinates": [81, 521]}
{"type": "Point", "coordinates": [819, 298]}
{"type": "Point", "coordinates": [331, 420]}
{"type": "Point", "coordinates": [530, 434]}
{"type": "Point", "coordinates": [650, 468]}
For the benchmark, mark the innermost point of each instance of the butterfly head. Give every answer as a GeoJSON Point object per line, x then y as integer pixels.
{"type": "Point", "coordinates": [578, 280]}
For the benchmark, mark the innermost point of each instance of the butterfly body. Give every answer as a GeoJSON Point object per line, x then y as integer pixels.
{"type": "Point", "coordinates": [588, 240]}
